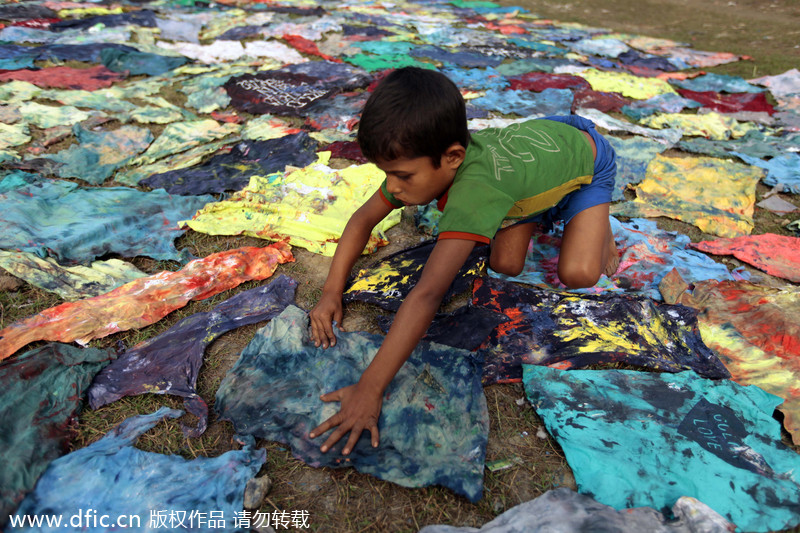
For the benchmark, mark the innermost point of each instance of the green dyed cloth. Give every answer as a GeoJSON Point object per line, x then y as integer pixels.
{"type": "Point", "coordinates": [40, 391]}
{"type": "Point", "coordinates": [181, 136]}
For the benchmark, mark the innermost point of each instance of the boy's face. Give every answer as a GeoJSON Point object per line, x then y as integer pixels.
{"type": "Point", "coordinates": [416, 181]}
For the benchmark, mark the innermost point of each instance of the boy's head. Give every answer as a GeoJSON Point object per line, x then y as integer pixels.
{"type": "Point", "coordinates": [413, 112]}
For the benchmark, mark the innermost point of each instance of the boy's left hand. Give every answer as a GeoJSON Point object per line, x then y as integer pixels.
{"type": "Point", "coordinates": [359, 410]}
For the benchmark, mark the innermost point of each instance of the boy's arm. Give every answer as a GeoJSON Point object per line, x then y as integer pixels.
{"type": "Point", "coordinates": [361, 403]}
{"type": "Point", "coordinates": [350, 246]}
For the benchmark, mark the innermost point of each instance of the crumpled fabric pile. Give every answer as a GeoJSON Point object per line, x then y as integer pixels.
{"type": "Point", "coordinates": [125, 127]}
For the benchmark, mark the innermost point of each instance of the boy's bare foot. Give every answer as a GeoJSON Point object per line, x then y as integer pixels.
{"type": "Point", "coordinates": [612, 264]}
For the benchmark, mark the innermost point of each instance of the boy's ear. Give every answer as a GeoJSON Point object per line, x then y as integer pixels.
{"type": "Point", "coordinates": [454, 155]}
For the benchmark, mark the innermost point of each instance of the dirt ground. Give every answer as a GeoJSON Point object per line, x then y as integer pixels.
{"type": "Point", "coordinates": [344, 500]}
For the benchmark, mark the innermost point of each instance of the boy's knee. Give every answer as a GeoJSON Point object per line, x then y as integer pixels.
{"type": "Point", "coordinates": [578, 276]}
{"type": "Point", "coordinates": [506, 266]}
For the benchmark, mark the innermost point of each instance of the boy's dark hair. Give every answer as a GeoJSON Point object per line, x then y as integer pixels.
{"type": "Point", "coordinates": [414, 112]}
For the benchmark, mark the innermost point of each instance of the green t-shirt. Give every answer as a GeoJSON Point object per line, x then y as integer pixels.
{"type": "Point", "coordinates": [510, 174]}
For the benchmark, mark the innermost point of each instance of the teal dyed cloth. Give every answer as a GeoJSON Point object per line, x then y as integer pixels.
{"type": "Point", "coordinates": [434, 423]}
{"type": "Point", "coordinates": [136, 63]}
{"type": "Point", "coordinates": [42, 391]}
{"type": "Point", "coordinates": [638, 439]}
{"type": "Point", "coordinates": [526, 103]}
{"type": "Point", "coordinates": [114, 478]}
{"type": "Point", "coordinates": [76, 225]}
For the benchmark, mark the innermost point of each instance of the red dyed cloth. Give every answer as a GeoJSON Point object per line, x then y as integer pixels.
{"type": "Point", "coordinates": [87, 79]}
{"type": "Point", "coordinates": [346, 150]}
{"type": "Point", "coordinates": [145, 301]}
{"type": "Point", "coordinates": [587, 98]}
{"type": "Point", "coordinates": [778, 255]}
{"type": "Point", "coordinates": [301, 44]}
{"type": "Point", "coordinates": [539, 81]}
{"type": "Point", "coordinates": [730, 103]}
{"type": "Point", "coordinates": [40, 24]}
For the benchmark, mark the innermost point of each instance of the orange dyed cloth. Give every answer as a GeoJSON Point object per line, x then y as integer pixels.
{"type": "Point", "coordinates": [756, 334]}
{"type": "Point", "coordinates": [145, 301]}
{"type": "Point", "coordinates": [87, 79]}
{"type": "Point", "coordinates": [777, 255]}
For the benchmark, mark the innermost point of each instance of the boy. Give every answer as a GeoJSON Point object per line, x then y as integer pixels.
{"type": "Point", "coordinates": [494, 187]}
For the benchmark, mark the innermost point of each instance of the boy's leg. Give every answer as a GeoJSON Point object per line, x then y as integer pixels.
{"type": "Point", "coordinates": [587, 248]}
{"type": "Point", "coordinates": [510, 248]}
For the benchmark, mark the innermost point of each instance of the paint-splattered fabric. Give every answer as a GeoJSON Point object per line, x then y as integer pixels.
{"type": "Point", "coordinates": [638, 439]}
{"type": "Point", "coordinates": [711, 125]}
{"type": "Point", "coordinates": [145, 300]}
{"type": "Point", "coordinates": [232, 171]}
{"type": "Point", "coordinates": [115, 479]}
{"type": "Point", "coordinates": [756, 332]}
{"type": "Point", "coordinates": [567, 330]}
{"type": "Point", "coordinates": [75, 225]}
{"type": "Point", "coordinates": [778, 255]}
{"type": "Point", "coordinates": [97, 155]}
{"type": "Point", "coordinates": [678, 187]}
{"type": "Point", "coordinates": [626, 84]}
{"type": "Point", "coordinates": [565, 510]}
{"type": "Point", "coordinates": [387, 283]}
{"type": "Point", "coordinates": [434, 422]}
{"type": "Point", "coordinates": [170, 362]}
{"type": "Point", "coordinates": [646, 254]}
{"type": "Point", "coordinates": [308, 207]}
{"type": "Point", "coordinates": [70, 283]}
{"type": "Point", "coordinates": [275, 92]}
{"type": "Point", "coordinates": [633, 156]}
{"type": "Point", "coordinates": [526, 103]}
{"type": "Point", "coordinates": [42, 390]}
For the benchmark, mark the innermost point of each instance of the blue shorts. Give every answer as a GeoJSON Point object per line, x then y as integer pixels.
{"type": "Point", "coordinates": [595, 193]}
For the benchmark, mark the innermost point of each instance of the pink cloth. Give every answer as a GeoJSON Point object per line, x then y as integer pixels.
{"type": "Point", "coordinates": [777, 255]}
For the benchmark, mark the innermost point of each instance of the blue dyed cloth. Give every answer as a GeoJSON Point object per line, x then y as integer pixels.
{"type": "Point", "coordinates": [527, 103]}
{"type": "Point", "coordinates": [567, 330]}
{"type": "Point", "coordinates": [40, 392]}
{"type": "Point", "coordinates": [661, 103]}
{"type": "Point", "coordinates": [75, 225]}
{"type": "Point", "coordinates": [638, 439]}
{"type": "Point", "coordinates": [169, 363]}
{"type": "Point", "coordinates": [137, 63]}
{"type": "Point", "coordinates": [783, 169]}
{"type": "Point", "coordinates": [754, 143]}
{"type": "Point", "coordinates": [114, 478]}
{"type": "Point", "coordinates": [718, 83]}
{"type": "Point", "coordinates": [633, 156]}
{"type": "Point", "coordinates": [477, 79]}
{"type": "Point", "coordinates": [460, 59]}
{"type": "Point", "coordinates": [434, 423]}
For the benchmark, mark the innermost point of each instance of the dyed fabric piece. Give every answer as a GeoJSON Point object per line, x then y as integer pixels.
{"type": "Point", "coordinates": [145, 300]}
{"type": "Point", "coordinates": [142, 17]}
{"type": "Point", "coordinates": [753, 143]}
{"type": "Point", "coordinates": [47, 116]}
{"type": "Point", "coordinates": [116, 479]}
{"type": "Point", "coordinates": [730, 103]}
{"type": "Point", "coordinates": [70, 283]}
{"type": "Point", "coordinates": [179, 137]}
{"type": "Point", "coordinates": [527, 104]}
{"type": "Point", "coordinates": [626, 84]}
{"type": "Point", "coordinates": [332, 75]}
{"type": "Point", "coordinates": [462, 59]}
{"type": "Point", "coordinates": [783, 169]}
{"type": "Point", "coordinates": [137, 63]}
{"type": "Point", "coordinates": [634, 59]}
{"type": "Point", "coordinates": [86, 53]}
{"type": "Point", "coordinates": [88, 79]}
{"type": "Point", "coordinates": [347, 150]}
{"type": "Point", "coordinates": [434, 422]}
{"type": "Point", "coordinates": [387, 283]}
{"type": "Point", "coordinates": [42, 391]}
{"type": "Point", "coordinates": [308, 207]}
{"type": "Point", "coordinates": [477, 79]}
{"type": "Point", "coordinates": [643, 439]}
{"type": "Point", "coordinates": [718, 83]}
{"type": "Point", "coordinates": [13, 135]}
{"type": "Point", "coordinates": [607, 47]}
{"type": "Point", "coordinates": [233, 170]}
{"type": "Point", "coordinates": [607, 122]}
{"type": "Point", "coordinates": [678, 188]}
{"type": "Point", "coordinates": [777, 255]}
{"type": "Point", "coordinates": [274, 92]}
{"type": "Point", "coordinates": [633, 156]}
{"type": "Point", "coordinates": [373, 63]}
{"type": "Point", "coordinates": [539, 81]}
{"type": "Point", "coordinates": [565, 510]}
{"type": "Point", "coordinates": [755, 331]}
{"type": "Point", "coordinates": [75, 225]}
{"type": "Point", "coordinates": [337, 112]}
{"type": "Point", "coordinates": [661, 103]}
{"type": "Point", "coordinates": [465, 328]}
{"type": "Point", "coordinates": [711, 125]}
{"type": "Point", "coordinates": [567, 330]}
{"type": "Point", "coordinates": [646, 255]}
{"type": "Point", "coordinates": [605, 102]}
{"type": "Point", "coordinates": [99, 154]}
{"type": "Point", "coordinates": [170, 362]}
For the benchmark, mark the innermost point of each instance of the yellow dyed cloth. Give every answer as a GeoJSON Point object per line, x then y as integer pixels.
{"type": "Point", "coordinates": [266, 127]}
{"type": "Point", "coordinates": [711, 125]}
{"type": "Point", "coordinates": [80, 12]}
{"type": "Point", "coordinates": [13, 135]}
{"type": "Point", "coordinates": [47, 116]}
{"type": "Point", "coordinates": [181, 136]}
{"type": "Point", "coordinates": [715, 195]}
{"type": "Point", "coordinates": [626, 84]}
{"type": "Point", "coordinates": [308, 207]}
{"type": "Point", "coordinates": [756, 333]}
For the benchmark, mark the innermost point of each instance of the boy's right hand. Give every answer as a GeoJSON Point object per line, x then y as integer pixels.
{"type": "Point", "coordinates": [327, 311]}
